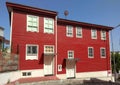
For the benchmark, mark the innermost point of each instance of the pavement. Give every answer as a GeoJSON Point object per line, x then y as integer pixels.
{"type": "Point", "coordinates": [52, 80]}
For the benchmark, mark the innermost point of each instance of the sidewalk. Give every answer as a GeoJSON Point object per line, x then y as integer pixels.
{"type": "Point", "coordinates": [32, 80]}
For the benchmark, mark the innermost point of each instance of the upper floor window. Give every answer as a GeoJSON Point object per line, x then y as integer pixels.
{"type": "Point", "coordinates": [103, 35]}
{"type": "Point", "coordinates": [93, 33]}
{"type": "Point", "coordinates": [103, 52]}
{"type": "Point", "coordinates": [49, 49]}
{"type": "Point", "coordinates": [90, 52]}
{"type": "Point", "coordinates": [78, 32]}
{"type": "Point", "coordinates": [31, 51]}
{"type": "Point", "coordinates": [69, 31]}
{"type": "Point", "coordinates": [48, 25]}
{"type": "Point", "coordinates": [32, 23]}
{"type": "Point", "coordinates": [70, 54]}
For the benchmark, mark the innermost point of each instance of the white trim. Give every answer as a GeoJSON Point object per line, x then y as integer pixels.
{"type": "Point", "coordinates": [51, 46]}
{"type": "Point", "coordinates": [80, 31]}
{"type": "Point", "coordinates": [67, 31]}
{"type": "Point", "coordinates": [101, 52]}
{"type": "Point", "coordinates": [11, 31]}
{"type": "Point", "coordinates": [88, 52]}
{"type": "Point", "coordinates": [32, 57]}
{"type": "Point", "coordinates": [56, 43]}
{"type": "Point", "coordinates": [27, 23]}
{"type": "Point", "coordinates": [92, 37]}
{"type": "Point", "coordinates": [44, 25]}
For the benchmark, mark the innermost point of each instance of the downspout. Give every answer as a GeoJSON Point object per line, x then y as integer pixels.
{"type": "Point", "coordinates": [56, 42]}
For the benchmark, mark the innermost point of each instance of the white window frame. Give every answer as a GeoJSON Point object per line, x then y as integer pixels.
{"type": "Point", "coordinates": [49, 52]}
{"type": "Point", "coordinates": [101, 52]}
{"type": "Point", "coordinates": [103, 36]}
{"type": "Point", "coordinates": [37, 29]}
{"type": "Point", "coordinates": [69, 54]}
{"type": "Point", "coordinates": [93, 33]}
{"type": "Point", "coordinates": [78, 31]}
{"type": "Point", "coordinates": [32, 57]}
{"type": "Point", "coordinates": [89, 52]}
{"type": "Point", "coordinates": [59, 67]}
{"type": "Point", "coordinates": [46, 31]}
{"type": "Point", "coordinates": [68, 29]}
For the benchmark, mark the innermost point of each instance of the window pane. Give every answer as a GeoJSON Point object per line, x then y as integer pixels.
{"type": "Point", "coordinates": [28, 49]}
{"type": "Point", "coordinates": [69, 31]}
{"type": "Point", "coordinates": [34, 49]}
{"type": "Point", "coordinates": [90, 52]}
{"type": "Point", "coordinates": [49, 49]}
{"type": "Point", "coordinates": [48, 25]}
{"type": "Point", "coordinates": [32, 22]}
{"type": "Point", "coordinates": [78, 32]}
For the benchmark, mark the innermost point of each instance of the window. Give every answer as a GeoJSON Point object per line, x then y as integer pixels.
{"type": "Point", "coordinates": [69, 31]}
{"type": "Point", "coordinates": [48, 49]}
{"type": "Point", "coordinates": [70, 54]}
{"type": "Point", "coordinates": [26, 73]}
{"type": "Point", "coordinates": [59, 67]}
{"type": "Point", "coordinates": [103, 52]}
{"type": "Point", "coordinates": [90, 52]}
{"type": "Point", "coordinates": [103, 35]}
{"type": "Point", "coordinates": [32, 23]}
{"type": "Point", "coordinates": [78, 32]}
{"type": "Point", "coordinates": [48, 25]}
{"type": "Point", "coordinates": [93, 33]}
{"type": "Point", "coordinates": [31, 52]}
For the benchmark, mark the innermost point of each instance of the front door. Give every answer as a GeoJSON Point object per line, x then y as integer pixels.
{"type": "Point", "coordinates": [70, 69]}
{"type": "Point", "coordinates": [48, 65]}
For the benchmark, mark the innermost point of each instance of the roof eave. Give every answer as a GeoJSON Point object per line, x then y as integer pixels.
{"type": "Point", "coordinates": [14, 6]}
{"type": "Point", "coordinates": [72, 22]}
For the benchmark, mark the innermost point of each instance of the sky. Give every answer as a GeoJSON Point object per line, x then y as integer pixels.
{"type": "Point", "coordinates": [102, 12]}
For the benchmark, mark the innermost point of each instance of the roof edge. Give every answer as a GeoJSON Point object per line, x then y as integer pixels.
{"type": "Point", "coordinates": [60, 20]}
{"type": "Point", "coordinates": [25, 7]}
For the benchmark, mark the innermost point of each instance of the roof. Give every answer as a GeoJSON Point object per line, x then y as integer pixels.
{"type": "Point", "coordinates": [20, 7]}
{"type": "Point", "coordinates": [29, 9]}
{"type": "Point", "coordinates": [77, 23]}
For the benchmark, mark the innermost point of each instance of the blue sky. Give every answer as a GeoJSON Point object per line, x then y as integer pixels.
{"type": "Point", "coordinates": [103, 12]}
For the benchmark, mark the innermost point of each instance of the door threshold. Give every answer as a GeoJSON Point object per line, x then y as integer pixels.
{"type": "Point", "coordinates": [71, 78]}
{"type": "Point", "coordinates": [48, 75]}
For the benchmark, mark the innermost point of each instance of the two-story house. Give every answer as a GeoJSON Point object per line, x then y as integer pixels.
{"type": "Point", "coordinates": [48, 45]}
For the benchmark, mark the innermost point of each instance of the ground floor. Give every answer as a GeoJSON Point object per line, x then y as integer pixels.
{"type": "Point", "coordinates": [38, 74]}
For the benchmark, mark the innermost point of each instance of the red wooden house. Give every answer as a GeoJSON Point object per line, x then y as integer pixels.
{"type": "Point", "coordinates": [48, 45]}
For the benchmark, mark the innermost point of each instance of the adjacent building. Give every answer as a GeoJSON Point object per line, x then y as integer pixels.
{"type": "Point", "coordinates": [48, 45]}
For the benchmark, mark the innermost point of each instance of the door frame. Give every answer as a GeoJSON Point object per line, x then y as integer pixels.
{"type": "Point", "coordinates": [52, 66]}
{"type": "Point", "coordinates": [74, 70]}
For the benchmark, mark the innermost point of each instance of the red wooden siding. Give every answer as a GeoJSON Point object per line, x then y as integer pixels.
{"type": "Point", "coordinates": [20, 37]}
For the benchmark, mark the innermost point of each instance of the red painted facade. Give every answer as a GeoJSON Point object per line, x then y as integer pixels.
{"type": "Point", "coordinates": [80, 47]}
{"type": "Point", "coordinates": [20, 37]}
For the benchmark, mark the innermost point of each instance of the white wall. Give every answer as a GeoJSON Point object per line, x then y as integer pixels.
{"type": "Point", "coordinates": [102, 75]}
{"type": "Point", "coordinates": [9, 76]}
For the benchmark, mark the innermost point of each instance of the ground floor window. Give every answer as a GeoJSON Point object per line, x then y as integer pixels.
{"type": "Point", "coordinates": [48, 48]}
{"type": "Point", "coordinates": [70, 54]}
{"type": "Point", "coordinates": [31, 51]}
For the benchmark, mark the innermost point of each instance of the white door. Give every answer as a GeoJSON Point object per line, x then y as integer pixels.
{"type": "Point", "coordinates": [48, 65]}
{"type": "Point", "coordinates": [70, 69]}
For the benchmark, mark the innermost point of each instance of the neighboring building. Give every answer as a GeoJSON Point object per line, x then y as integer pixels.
{"type": "Point", "coordinates": [48, 45]}
{"type": "Point", "coordinates": [2, 39]}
